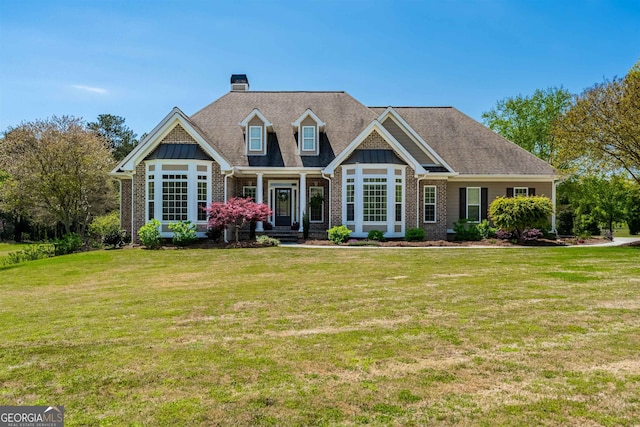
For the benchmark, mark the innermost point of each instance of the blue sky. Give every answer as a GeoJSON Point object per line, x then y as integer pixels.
{"type": "Point", "coordinates": [138, 59]}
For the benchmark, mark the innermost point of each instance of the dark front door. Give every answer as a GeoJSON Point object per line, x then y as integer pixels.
{"type": "Point", "coordinates": [283, 207]}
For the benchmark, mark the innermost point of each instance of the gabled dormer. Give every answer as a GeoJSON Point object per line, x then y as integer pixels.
{"type": "Point", "coordinates": [308, 128]}
{"type": "Point", "coordinates": [255, 127]}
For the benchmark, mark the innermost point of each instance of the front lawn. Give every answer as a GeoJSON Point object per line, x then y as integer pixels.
{"type": "Point", "coordinates": [342, 336]}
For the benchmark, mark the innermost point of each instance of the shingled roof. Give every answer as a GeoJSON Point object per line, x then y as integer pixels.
{"type": "Point", "coordinates": [468, 146]}
{"type": "Point", "coordinates": [345, 118]}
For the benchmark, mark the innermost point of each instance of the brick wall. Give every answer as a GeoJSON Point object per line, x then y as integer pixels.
{"type": "Point", "coordinates": [437, 230]}
{"type": "Point", "coordinates": [178, 136]}
{"type": "Point", "coordinates": [139, 193]}
{"type": "Point", "coordinates": [125, 205]}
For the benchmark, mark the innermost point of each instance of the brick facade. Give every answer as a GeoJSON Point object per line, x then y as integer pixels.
{"type": "Point", "coordinates": [437, 230]}
{"type": "Point", "coordinates": [178, 136]}
{"type": "Point", "coordinates": [125, 205]}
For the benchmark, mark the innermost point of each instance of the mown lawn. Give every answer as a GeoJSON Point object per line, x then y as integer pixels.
{"type": "Point", "coordinates": [291, 336]}
{"type": "Point", "coordinates": [6, 248]}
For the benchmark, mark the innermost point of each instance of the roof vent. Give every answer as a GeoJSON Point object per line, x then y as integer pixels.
{"type": "Point", "coordinates": [239, 83]}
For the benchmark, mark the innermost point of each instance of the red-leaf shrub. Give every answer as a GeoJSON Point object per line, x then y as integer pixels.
{"type": "Point", "coordinates": [236, 212]}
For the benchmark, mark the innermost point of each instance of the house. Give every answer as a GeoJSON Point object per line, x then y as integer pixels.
{"type": "Point", "coordinates": [369, 168]}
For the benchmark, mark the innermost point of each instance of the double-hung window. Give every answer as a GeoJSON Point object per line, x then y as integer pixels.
{"type": "Point", "coordinates": [430, 203]}
{"type": "Point", "coordinates": [520, 191]}
{"type": "Point", "coordinates": [255, 138]}
{"type": "Point", "coordinates": [316, 204]}
{"type": "Point", "coordinates": [374, 199]}
{"type": "Point", "coordinates": [308, 138]}
{"type": "Point", "coordinates": [249, 191]}
{"type": "Point", "coordinates": [473, 204]}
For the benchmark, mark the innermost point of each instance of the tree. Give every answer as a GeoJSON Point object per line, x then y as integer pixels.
{"type": "Point", "coordinates": [120, 138]}
{"type": "Point", "coordinates": [236, 211]}
{"type": "Point", "coordinates": [604, 199]}
{"type": "Point", "coordinates": [601, 129]}
{"type": "Point", "coordinates": [527, 120]}
{"type": "Point", "coordinates": [58, 172]}
{"type": "Point", "coordinates": [516, 214]}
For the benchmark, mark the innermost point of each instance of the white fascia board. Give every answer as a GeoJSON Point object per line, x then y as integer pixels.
{"type": "Point", "coordinates": [504, 177]}
{"type": "Point", "coordinates": [149, 143]}
{"type": "Point", "coordinates": [125, 164]}
{"type": "Point", "coordinates": [311, 114]}
{"type": "Point", "coordinates": [377, 126]}
{"type": "Point", "coordinates": [255, 112]}
{"type": "Point", "coordinates": [250, 170]}
{"type": "Point", "coordinates": [421, 142]}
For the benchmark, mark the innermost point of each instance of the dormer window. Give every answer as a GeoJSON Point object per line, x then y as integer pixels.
{"type": "Point", "coordinates": [309, 138]}
{"type": "Point", "coordinates": [255, 127]}
{"type": "Point", "coordinates": [255, 138]}
{"type": "Point", "coordinates": [308, 128]}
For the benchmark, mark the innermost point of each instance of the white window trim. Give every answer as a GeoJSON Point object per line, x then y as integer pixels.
{"type": "Point", "coordinates": [249, 139]}
{"type": "Point", "coordinates": [315, 140]}
{"type": "Point", "coordinates": [435, 204]}
{"type": "Point", "coordinates": [192, 189]}
{"type": "Point", "coordinates": [515, 191]}
{"type": "Point", "coordinates": [479, 204]}
{"type": "Point", "coordinates": [321, 220]}
{"type": "Point", "coordinates": [359, 176]}
{"type": "Point", "coordinates": [244, 190]}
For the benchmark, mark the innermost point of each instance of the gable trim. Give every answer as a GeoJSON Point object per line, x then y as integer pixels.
{"type": "Point", "coordinates": [391, 112]}
{"type": "Point", "coordinates": [377, 126]}
{"type": "Point", "coordinates": [256, 113]}
{"type": "Point", "coordinates": [151, 141]}
{"type": "Point", "coordinates": [308, 113]}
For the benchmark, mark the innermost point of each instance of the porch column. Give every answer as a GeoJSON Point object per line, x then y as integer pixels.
{"type": "Point", "coordinates": [303, 198]}
{"type": "Point", "coordinates": [259, 192]}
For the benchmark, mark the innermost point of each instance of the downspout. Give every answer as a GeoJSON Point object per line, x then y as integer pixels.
{"type": "Point", "coordinates": [553, 202]}
{"type": "Point", "coordinates": [329, 196]}
{"type": "Point", "coordinates": [226, 240]}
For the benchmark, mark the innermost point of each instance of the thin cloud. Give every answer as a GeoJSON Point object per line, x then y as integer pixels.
{"type": "Point", "coordinates": [98, 90]}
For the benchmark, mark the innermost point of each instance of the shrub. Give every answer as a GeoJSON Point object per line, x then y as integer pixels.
{"type": "Point", "coordinates": [504, 235]}
{"type": "Point", "coordinates": [150, 234]}
{"type": "Point", "coordinates": [68, 244]}
{"type": "Point", "coordinates": [184, 233]}
{"type": "Point", "coordinates": [116, 238]}
{"type": "Point", "coordinates": [214, 234]}
{"type": "Point", "coordinates": [30, 253]}
{"type": "Point", "coordinates": [376, 235]}
{"type": "Point", "coordinates": [339, 234]}
{"type": "Point", "coordinates": [105, 229]}
{"type": "Point", "coordinates": [267, 241]}
{"type": "Point", "coordinates": [586, 222]}
{"type": "Point", "coordinates": [531, 235]}
{"type": "Point", "coordinates": [632, 212]}
{"type": "Point", "coordinates": [306, 225]}
{"type": "Point", "coordinates": [466, 231]}
{"type": "Point", "coordinates": [564, 220]}
{"type": "Point", "coordinates": [516, 214]}
{"type": "Point", "coordinates": [414, 235]}
{"type": "Point", "coordinates": [486, 230]}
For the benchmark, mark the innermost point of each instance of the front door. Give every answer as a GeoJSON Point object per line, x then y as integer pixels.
{"type": "Point", "coordinates": [283, 207]}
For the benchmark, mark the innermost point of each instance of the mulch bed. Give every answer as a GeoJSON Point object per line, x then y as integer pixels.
{"type": "Point", "coordinates": [209, 244]}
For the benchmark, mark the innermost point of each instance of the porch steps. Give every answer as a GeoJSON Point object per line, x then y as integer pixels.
{"type": "Point", "coordinates": [284, 235]}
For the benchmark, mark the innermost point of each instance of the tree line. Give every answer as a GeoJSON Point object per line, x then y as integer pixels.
{"type": "Point", "coordinates": [592, 139]}
{"type": "Point", "coordinates": [54, 174]}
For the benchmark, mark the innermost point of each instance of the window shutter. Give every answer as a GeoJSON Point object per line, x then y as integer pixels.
{"type": "Point", "coordinates": [463, 203]}
{"type": "Point", "coordinates": [484, 202]}
{"type": "Point", "coordinates": [532, 191]}
{"type": "Point", "coordinates": [510, 192]}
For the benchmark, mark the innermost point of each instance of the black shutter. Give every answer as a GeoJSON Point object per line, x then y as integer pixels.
{"type": "Point", "coordinates": [463, 203]}
{"type": "Point", "coordinates": [510, 192]}
{"type": "Point", "coordinates": [484, 202]}
{"type": "Point", "coordinates": [532, 191]}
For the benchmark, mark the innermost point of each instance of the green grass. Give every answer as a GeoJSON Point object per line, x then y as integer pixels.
{"type": "Point", "coordinates": [291, 336]}
{"type": "Point", "coordinates": [6, 248]}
